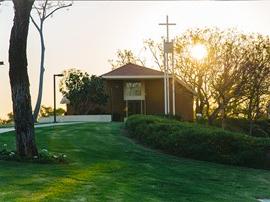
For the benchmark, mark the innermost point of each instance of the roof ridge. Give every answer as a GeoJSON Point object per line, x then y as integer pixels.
{"type": "Point", "coordinates": [138, 71]}
{"type": "Point", "coordinates": [134, 65]}
{"type": "Point", "coordinates": [145, 67]}
{"type": "Point", "coordinates": [115, 69]}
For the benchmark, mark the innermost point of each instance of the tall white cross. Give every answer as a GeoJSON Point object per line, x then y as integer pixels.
{"type": "Point", "coordinates": [167, 24]}
{"type": "Point", "coordinates": [168, 48]}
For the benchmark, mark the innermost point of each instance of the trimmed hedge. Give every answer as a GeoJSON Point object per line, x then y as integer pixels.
{"type": "Point", "coordinates": [200, 142]}
{"type": "Point", "coordinates": [261, 128]}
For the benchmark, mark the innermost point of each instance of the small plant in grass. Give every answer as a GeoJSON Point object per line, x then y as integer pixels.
{"type": "Point", "coordinates": [44, 156]}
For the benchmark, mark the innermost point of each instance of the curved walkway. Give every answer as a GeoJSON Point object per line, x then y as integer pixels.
{"type": "Point", "coordinates": [5, 130]}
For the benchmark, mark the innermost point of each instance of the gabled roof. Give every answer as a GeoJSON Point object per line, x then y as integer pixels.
{"type": "Point", "coordinates": [133, 71]}
{"type": "Point", "coordinates": [185, 85]}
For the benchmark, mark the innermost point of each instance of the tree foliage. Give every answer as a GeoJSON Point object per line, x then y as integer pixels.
{"type": "Point", "coordinates": [124, 57]}
{"type": "Point", "coordinates": [9, 120]}
{"type": "Point", "coordinates": [85, 92]}
{"type": "Point", "coordinates": [48, 111]}
{"type": "Point", "coordinates": [232, 80]}
{"type": "Point", "coordinates": [156, 52]}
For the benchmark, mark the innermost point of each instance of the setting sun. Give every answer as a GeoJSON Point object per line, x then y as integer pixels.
{"type": "Point", "coordinates": [198, 51]}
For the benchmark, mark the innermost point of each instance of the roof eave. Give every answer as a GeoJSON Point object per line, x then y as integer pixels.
{"type": "Point", "coordinates": [150, 77]}
{"type": "Point", "coordinates": [133, 77]}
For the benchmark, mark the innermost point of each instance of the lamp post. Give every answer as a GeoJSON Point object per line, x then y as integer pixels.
{"type": "Point", "coordinates": [54, 95]}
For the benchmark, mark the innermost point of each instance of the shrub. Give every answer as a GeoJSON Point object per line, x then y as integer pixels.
{"type": "Point", "coordinates": [43, 157]}
{"type": "Point", "coordinates": [200, 142]}
{"type": "Point", "coordinates": [261, 128]}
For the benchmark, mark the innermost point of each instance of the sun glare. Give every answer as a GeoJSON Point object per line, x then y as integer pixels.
{"type": "Point", "coordinates": [198, 51]}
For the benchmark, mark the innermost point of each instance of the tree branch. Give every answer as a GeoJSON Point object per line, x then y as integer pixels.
{"type": "Point", "coordinates": [64, 6]}
{"type": "Point", "coordinates": [34, 22]}
{"type": "Point", "coordinates": [38, 12]}
{"type": "Point", "coordinates": [44, 9]}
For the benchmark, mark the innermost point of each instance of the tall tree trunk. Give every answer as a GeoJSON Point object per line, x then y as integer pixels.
{"type": "Point", "coordinates": [19, 81]}
{"type": "Point", "coordinates": [41, 75]}
{"type": "Point", "coordinates": [44, 11]}
{"type": "Point", "coordinates": [251, 127]}
{"type": "Point", "coordinates": [207, 108]}
{"type": "Point", "coordinates": [199, 98]}
{"type": "Point", "coordinates": [250, 118]}
{"type": "Point", "coordinates": [213, 115]}
{"type": "Point", "coordinates": [223, 118]}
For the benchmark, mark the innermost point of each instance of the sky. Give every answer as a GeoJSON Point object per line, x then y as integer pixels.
{"type": "Point", "coordinates": [88, 34]}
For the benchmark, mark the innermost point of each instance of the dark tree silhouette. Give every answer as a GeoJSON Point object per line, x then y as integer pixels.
{"type": "Point", "coordinates": [19, 81]}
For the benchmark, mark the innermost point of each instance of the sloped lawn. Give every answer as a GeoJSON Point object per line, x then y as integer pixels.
{"type": "Point", "coordinates": [107, 166]}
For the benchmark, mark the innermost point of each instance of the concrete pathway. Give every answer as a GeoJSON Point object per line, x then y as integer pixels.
{"type": "Point", "coordinates": [4, 130]}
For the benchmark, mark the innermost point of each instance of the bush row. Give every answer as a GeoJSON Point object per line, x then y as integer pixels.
{"type": "Point", "coordinates": [200, 142]}
{"type": "Point", "coordinates": [260, 128]}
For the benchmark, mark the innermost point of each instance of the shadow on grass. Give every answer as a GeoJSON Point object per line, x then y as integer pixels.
{"type": "Point", "coordinates": [107, 166]}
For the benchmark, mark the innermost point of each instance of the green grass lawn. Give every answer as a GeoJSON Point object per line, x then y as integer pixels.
{"type": "Point", "coordinates": [107, 166]}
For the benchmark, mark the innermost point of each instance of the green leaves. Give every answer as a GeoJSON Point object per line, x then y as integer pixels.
{"type": "Point", "coordinates": [199, 142]}
{"type": "Point", "coordinates": [86, 93]}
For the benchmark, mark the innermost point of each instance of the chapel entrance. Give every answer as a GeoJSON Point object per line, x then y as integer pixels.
{"type": "Point", "coordinates": [134, 96]}
{"type": "Point", "coordinates": [135, 107]}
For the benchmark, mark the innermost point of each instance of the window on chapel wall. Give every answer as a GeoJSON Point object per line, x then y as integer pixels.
{"type": "Point", "coordinates": [134, 90]}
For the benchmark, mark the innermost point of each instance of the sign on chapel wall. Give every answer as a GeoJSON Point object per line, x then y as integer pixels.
{"type": "Point", "coordinates": [134, 90]}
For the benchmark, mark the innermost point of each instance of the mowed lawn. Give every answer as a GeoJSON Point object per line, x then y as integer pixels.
{"type": "Point", "coordinates": [107, 166]}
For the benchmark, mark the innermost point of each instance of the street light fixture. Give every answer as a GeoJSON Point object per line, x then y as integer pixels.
{"type": "Point", "coordinates": [54, 95]}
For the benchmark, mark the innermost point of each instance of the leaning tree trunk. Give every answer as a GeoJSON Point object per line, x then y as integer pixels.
{"type": "Point", "coordinates": [19, 81]}
{"type": "Point", "coordinates": [41, 74]}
